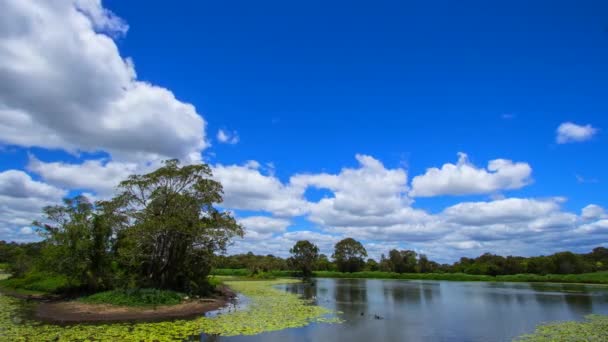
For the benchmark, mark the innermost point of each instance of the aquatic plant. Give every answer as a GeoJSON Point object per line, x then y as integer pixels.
{"type": "Point", "coordinates": [269, 309]}
{"type": "Point", "coordinates": [595, 328]}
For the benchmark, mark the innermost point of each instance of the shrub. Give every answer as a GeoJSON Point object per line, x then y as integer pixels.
{"type": "Point", "coordinates": [37, 281]}
{"type": "Point", "coordinates": [136, 297]}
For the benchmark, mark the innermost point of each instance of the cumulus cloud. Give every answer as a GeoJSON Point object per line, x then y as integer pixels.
{"type": "Point", "coordinates": [500, 211]}
{"type": "Point", "coordinates": [464, 178]}
{"type": "Point", "coordinates": [99, 176]}
{"type": "Point", "coordinates": [569, 132]}
{"type": "Point", "coordinates": [593, 212]}
{"type": "Point", "coordinates": [247, 188]}
{"type": "Point", "coordinates": [21, 202]}
{"type": "Point", "coordinates": [64, 84]}
{"type": "Point", "coordinates": [261, 227]}
{"type": "Point", "coordinates": [226, 137]}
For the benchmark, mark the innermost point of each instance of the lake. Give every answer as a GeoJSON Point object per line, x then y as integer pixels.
{"type": "Point", "coordinates": [397, 310]}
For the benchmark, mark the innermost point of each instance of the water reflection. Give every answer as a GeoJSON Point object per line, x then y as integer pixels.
{"type": "Point", "coordinates": [393, 310]}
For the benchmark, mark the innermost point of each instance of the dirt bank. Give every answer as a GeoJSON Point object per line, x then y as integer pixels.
{"type": "Point", "coordinates": [74, 311]}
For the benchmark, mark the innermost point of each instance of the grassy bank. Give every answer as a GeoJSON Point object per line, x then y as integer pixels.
{"type": "Point", "coordinates": [35, 283]}
{"type": "Point", "coordinates": [135, 297]}
{"type": "Point", "coordinates": [585, 278]}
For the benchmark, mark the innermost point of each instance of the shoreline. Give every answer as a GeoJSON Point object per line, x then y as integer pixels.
{"type": "Point", "coordinates": [63, 312]}
{"type": "Point", "coordinates": [55, 309]}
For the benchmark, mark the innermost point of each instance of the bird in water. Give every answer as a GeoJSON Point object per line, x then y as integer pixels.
{"type": "Point", "coordinates": [378, 317]}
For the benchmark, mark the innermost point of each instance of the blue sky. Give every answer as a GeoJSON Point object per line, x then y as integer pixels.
{"type": "Point", "coordinates": [94, 92]}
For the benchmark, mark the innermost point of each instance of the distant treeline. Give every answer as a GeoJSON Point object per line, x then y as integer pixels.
{"type": "Point", "coordinates": [350, 256]}
{"type": "Point", "coordinates": [407, 261]}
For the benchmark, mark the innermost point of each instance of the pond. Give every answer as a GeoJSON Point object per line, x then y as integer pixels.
{"type": "Point", "coordinates": [393, 310]}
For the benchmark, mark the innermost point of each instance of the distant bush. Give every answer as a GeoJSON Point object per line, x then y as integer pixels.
{"type": "Point", "coordinates": [4, 267]}
{"type": "Point", "coordinates": [135, 297]}
{"type": "Point", "coordinates": [588, 278]}
{"type": "Point", "coordinates": [37, 281]}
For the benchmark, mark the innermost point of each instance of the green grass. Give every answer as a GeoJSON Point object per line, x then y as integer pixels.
{"type": "Point", "coordinates": [36, 283]}
{"type": "Point", "coordinates": [243, 272]}
{"type": "Point", "coordinates": [135, 297]}
{"type": "Point", "coordinates": [595, 328]}
{"type": "Point", "coordinates": [585, 278]}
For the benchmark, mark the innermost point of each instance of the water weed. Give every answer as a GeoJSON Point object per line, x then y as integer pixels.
{"type": "Point", "coordinates": [269, 310]}
{"type": "Point", "coordinates": [595, 328]}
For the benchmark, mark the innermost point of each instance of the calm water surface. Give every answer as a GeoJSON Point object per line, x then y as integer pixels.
{"type": "Point", "coordinates": [435, 310]}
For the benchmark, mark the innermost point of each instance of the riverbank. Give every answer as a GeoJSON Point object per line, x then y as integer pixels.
{"type": "Point", "coordinates": [142, 305]}
{"type": "Point", "coordinates": [267, 309]}
{"type": "Point", "coordinates": [79, 312]}
{"type": "Point", "coordinates": [584, 278]}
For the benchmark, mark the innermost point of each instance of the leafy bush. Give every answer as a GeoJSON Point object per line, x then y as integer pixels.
{"type": "Point", "coordinates": [37, 281]}
{"type": "Point", "coordinates": [4, 267]}
{"type": "Point", "coordinates": [136, 297]}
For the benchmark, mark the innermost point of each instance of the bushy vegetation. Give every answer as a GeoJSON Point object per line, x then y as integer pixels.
{"type": "Point", "coordinates": [36, 282]}
{"type": "Point", "coordinates": [161, 231]}
{"type": "Point", "coordinates": [595, 328]}
{"type": "Point", "coordinates": [136, 297]}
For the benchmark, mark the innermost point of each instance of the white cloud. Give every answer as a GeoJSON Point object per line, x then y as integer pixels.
{"type": "Point", "coordinates": [99, 176]}
{"type": "Point", "coordinates": [22, 200]}
{"type": "Point", "coordinates": [226, 137]}
{"type": "Point", "coordinates": [64, 84]}
{"type": "Point", "coordinates": [245, 187]}
{"type": "Point", "coordinates": [593, 212]}
{"type": "Point", "coordinates": [464, 178]}
{"type": "Point", "coordinates": [26, 231]}
{"type": "Point", "coordinates": [569, 132]}
{"type": "Point", "coordinates": [500, 211]}
{"type": "Point", "coordinates": [258, 227]}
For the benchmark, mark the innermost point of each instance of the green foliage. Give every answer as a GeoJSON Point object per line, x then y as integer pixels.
{"type": "Point", "coordinates": [4, 266]}
{"type": "Point", "coordinates": [349, 254]}
{"type": "Point", "coordinates": [304, 255]}
{"type": "Point", "coordinates": [595, 328]}
{"type": "Point", "coordinates": [251, 261]}
{"type": "Point", "coordinates": [266, 312]}
{"type": "Point", "coordinates": [402, 261]}
{"type": "Point", "coordinates": [135, 297]}
{"type": "Point", "coordinates": [37, 282]}
{"type": "Point", "coordinates": [78, 242]}
{"type": "Point", "coordinates": [175, 228]}
{"type": "Point", "coordinates": [588, 278]}
{"type": "Point", "coordinates": [238, 272]}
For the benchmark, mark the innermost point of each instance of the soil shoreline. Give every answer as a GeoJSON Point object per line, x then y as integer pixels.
{"type": "Point", "coordinates": [67, 311]}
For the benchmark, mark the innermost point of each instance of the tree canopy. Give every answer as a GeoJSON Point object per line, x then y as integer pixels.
{"type": "Point", "coordinates": [305, 256]}
{"type": "Point", "coordinates": [349, 255]}
{"type": "Point", "coordinates": [160, 231]}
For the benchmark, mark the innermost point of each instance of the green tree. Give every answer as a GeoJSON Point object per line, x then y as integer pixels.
{"type": "Point", "coordinates": [78, 242]}
{"type": "Point", "coordinates": [305, 254]}
{"type": "Point", "coordinates": [403, 261]}
{"type": "Point", "coordinates": [349, 255]}
{"type": "Point", "coordinates": [371, 265]}
{"type": "Point", "coordinates": [175, 229]}
{"type": "Point", "coordinates": [323, 264]}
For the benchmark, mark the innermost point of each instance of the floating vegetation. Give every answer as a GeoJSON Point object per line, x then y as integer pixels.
{"type": "Point", "coordinates": [595, 328]}
{"type": "Point", "coordinates": [269, 310]}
